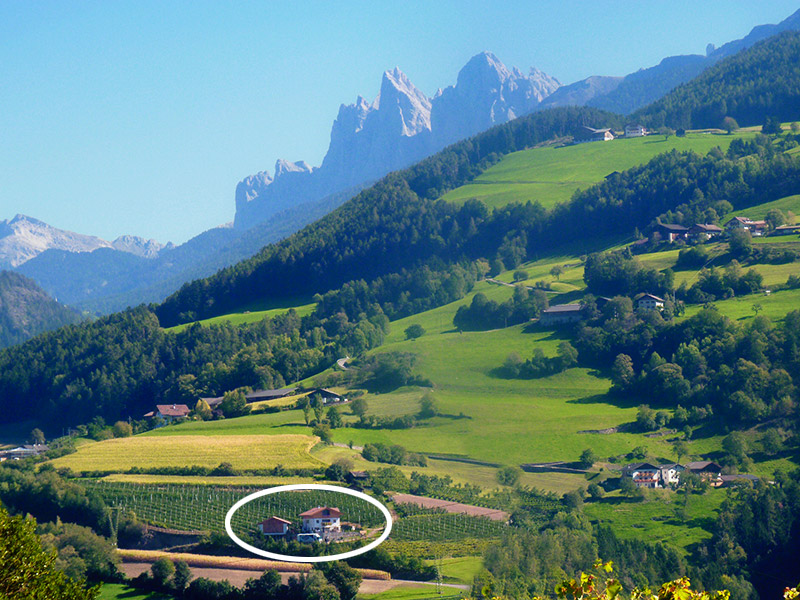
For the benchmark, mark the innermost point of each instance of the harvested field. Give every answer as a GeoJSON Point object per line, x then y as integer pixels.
{"type": "Point", "coordinates": [241, 451]}
{"type": "Point", "coordinates": [452, 507]}
{"type": "Point", "coordinates": [231, 563]}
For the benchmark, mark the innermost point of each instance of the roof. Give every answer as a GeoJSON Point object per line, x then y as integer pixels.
{"type": "Point", "coordinates": [787, 227]}
{"type": "Point", "coordinates": [673, 227]}
{"type": "Point", "coordinates": [563, 308]}
{"type": "Point", "coordinates": [710, 227]}
{"type": "Point", "coordinates": [267, 394]}
{"type": "Point", "coordinates": [276, 520]}
{"type": "Point", "coordinates": [703, 465]}
{"type": "Point", "coordinates": [326, 391]}
{"type": "Point", "coordinates": [213, 402]}
{"type": "Point", "coordinates": [640, 466]}
{"type": "Point", "coordinates": [593, 130]}
{"type": "Point", "coordinates": [359, 474]}
{"type": "Point", "coordinates": [672, 466]}
{"type": "Point", "coordinates": [172, 410]}
{"type": "Point", "coordinates": [740, 476]}
{"type": "Point", "coordinates": [651, 296]}
{"type": "Point", "coordinates": [316, 513]}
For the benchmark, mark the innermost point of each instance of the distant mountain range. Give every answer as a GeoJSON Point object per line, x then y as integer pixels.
{"type": "Point", "coordinates": [368, 140]}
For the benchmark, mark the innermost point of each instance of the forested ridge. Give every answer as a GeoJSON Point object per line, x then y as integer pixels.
{"type": "Point", "coordinates": [26, 310]}
{"type": "Point", "coordinates": [418, 255]}
{"type": "Point", "coordinates": [393, 225]}
{"type": "Point", "coordinates": [762, 81]}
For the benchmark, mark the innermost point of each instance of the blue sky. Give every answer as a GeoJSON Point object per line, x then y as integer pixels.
{"type": "Point", "coordinates": [141, 117]}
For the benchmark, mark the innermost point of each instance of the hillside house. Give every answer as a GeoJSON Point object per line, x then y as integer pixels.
{"type": "Point", "coordinates": [644, 475]}
{"type": "Point", "coordinates": [560, 314]}
{"type": "Point", "coordinates": [707, 471]}
{"type": "Point", "coordinates": [704, 231]}
{"type": "Point", "coordinates": [590, 134]}
{"type": "Point", "coordinates": [635, 131]}
{"type": "Point", "coordinates": [169, 412]}
{"type": "Point", "coordinates": [274, 526]}
{"type": "Point", "coordinates": [24, 451]}
{"type": "Point", "coordinates": [260, 395]}
{"type": "Point", "coordinates": [731, 480]}
{"type": "Point", "coordinates": [756, 228]}
{"type": "Point", "coordinates": [321, 519]}
{"type": "Point", "coordinates": [328, 396]}
{"type": "Point", "coordinates": [649, 302]}
{"type": "Point", "coordinates": [672, 232]}
{"type": "Point", "coordinates": [671, 474]}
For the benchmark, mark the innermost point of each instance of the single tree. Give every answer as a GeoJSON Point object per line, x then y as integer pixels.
{"type": "Point", "coordinates": [428, 407]}
{"type": "Point", "coordinates": [203, 410]}
{"type": "Point", "coordinates": [729, 124]}
{"type": "Point", "coordinates": [317, 405]}
{"type": "Point", "coordinates": [359, 408]}
{"type": "Point", "coordinates": [162, 569]}
{"type": "Point", "coordinates": [414, 331]}
{"type": "Point", "coordinates": [509, 476]}
{"type": "Point", "coordinates": [520, 276]}
{"type": "Point", "coordinates": [122, 429]}
{"type": "Point", "coordinates": [334, 418]}
{"type": "Point", "coordinates": [37, 436]}
{"type": "Point", "coordinates": [305, 405]}
{"type": "Point", "coordinates": [557, 271]}
{"type": "Point", "coordinates": [795, 127]}
{"type": "Point", "coordinates": [588, 458]}
{"type": "Point", "coordinates": [234, 404]}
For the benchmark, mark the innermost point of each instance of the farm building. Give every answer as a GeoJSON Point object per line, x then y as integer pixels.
{"type": "Point", "coordinates": [704, 231]}
{"type": "Point", "coordinates": [328, 396]}
{"type": "Point", "coordinates": [590, 134]}
{"type": "Point", "coordinates": [643, 474]}
{"type": "Point", "coordinates": [731, 480]}
{"type": "Point", "coordinates": [260, 395]}
{"type": "Point", "coordinates": [561, 313]}
{"type": "Point", "coordinates": [274, 526]}
{"type": "Point", "coordinates": [649, 302]}
{"type": "Point", "coordinates": [707, 470]}
{"type": "Point", "coordinates": [671, 474]}
{"type": "Point", "coordinates": [786, 230]}
{"type": "Point", "coordinates": [672, 232]}
{"type": "Point", "coordinates": [756, 228]}
{"type": "Point", "coordinates": [635, 131]}
{"type": "Point", "coordinates": [321, 519]}
{"type": "Point", "coordinates": [24, 451]}
{"type": "Point", "coordinates": [169, 412]}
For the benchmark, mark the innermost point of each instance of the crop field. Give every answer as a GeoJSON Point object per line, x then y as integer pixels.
{"type": "Point", "coordinates": [445, 528]}
{"type": "Point", "coordinates": [243, 452]}
{"type": "Point", "coordinates": [203, 508]}
{"type": "Point", "coordinates": [551, 175]}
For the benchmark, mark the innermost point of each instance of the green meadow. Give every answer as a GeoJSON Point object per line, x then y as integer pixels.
{"type": "Point", "coordinates": [551, 174]}
{"type": "Point", "coordinates": [250, 316]}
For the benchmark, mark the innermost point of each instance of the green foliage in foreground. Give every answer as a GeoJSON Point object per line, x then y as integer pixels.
{"type": "Point", "coordinates": [27, 572]}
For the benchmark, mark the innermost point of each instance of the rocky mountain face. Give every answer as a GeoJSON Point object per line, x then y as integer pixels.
{"type": "Point", "coordinates": [23, 238]}
{"type": "Point", "coordinates": [400, 127]}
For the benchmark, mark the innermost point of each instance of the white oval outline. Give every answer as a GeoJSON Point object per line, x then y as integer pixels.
{"type": "Point", "coordinates": [307, 486]}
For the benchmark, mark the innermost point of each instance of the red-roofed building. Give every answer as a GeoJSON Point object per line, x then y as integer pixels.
{"type": "Point", "coordinates": [321, 519]}
{"type": "Point", "coordinates": [169, 412]}
{"type": "Point", "coordinates": [274, 526]}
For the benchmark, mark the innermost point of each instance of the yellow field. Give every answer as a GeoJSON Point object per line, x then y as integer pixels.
{"type": "Point", "coordinates": [242, 451]}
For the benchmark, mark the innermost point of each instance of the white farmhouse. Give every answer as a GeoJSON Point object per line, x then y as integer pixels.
{"type": "Point", "coordinates": [321, 519]}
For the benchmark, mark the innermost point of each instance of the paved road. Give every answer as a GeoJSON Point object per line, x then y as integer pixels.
{"type": "Point", "coordinates": [342, 362]}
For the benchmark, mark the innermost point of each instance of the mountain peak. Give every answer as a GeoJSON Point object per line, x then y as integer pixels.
{"type": "Point", "coordinates": [483, 68]}
{"type": "Point", "coordinates": [282, 167]}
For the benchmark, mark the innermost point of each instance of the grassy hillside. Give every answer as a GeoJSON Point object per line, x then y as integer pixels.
{"type": "Point", "coordinates": [252, 316]}
{"type": "Point", "coordinates": [552, 174]}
